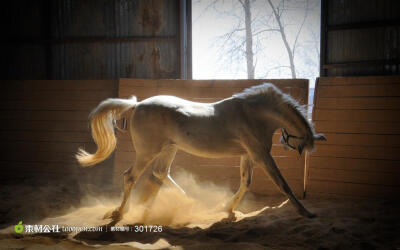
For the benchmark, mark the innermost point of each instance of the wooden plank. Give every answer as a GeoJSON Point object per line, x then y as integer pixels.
{"type": "Point", "coordinates": [371, 152]}
{"type": "Point", "coordinates": [315, 100]}
{"type": "Point", "coordinates": [35, 146]}
{"type": "Point", "coordinates": [365, 161]}
{"type": "Point", "coordinates": [58, 85]}
{"type": "Point", "coordinates": [60, 105]}
{"type": "Point", "coordinates": [242, 83]}
{"type": "Point", "coordinates": [382, 102]}
{"type": "Point", "coordinates": [70, 125]}
{"type": "Point", "coordinates": [358, 80]}
{"type": "Point", "coordinates": [44, 115]}
{"type": "Point", "coordinates": [358, 91]}
{"type": "Point", "coordinates": [357, 127]}
{"type": "Point", "coordinates": [357, 115]}
{"type": "Point", "coordinates": [128, 82]}
{"type": "Point", "coordinates": [54, 95]}
{"type": "Point", "coordinates": [278, 150]}
{"type": "Point", "coordinates": [44, 123]}
{"type": "Point", "coordinates": [337, 175]}
{"type": "Point", "coordinates": [343, 188]}
{"type": "Point", "coordinates": [144, 91]}
{"type": "Point", "coordinates": [38, 168]}
{"type": "Point", "coordinates": [281, 83]}
{"type": "Point", "coordinates": [192, 92]}
{"type": "Point", "coordinates": [266, 187]}
{"type": "Point", "coordinates": [360, 140]}
{"type": "Point", "coordinates": [368, 165]}
{"type": "Point", "coordinates": [46, 136]}
{"type": "Point", "coordinates": [60, 159]}
{"type": "Point", "coordinates": [38, 156]}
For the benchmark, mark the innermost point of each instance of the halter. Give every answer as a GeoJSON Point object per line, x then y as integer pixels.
{"type": "Point", "coordinates": [286, 136]}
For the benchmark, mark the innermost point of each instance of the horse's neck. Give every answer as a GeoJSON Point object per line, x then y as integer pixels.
{"type": "Point", "coordinates": [293, 120]}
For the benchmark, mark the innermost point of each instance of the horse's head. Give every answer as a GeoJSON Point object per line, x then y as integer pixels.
{"type": "Point", "coordinates": [300, 142]}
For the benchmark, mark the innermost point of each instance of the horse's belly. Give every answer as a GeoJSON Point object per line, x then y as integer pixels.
{"type": "Point", "coordinates": [212, 154]}
{"type": "Point", "coordinates": [212, 148]}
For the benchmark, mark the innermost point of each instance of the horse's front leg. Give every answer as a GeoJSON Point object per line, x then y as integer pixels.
{"type": "Point", "coordinates": [246, 173]}
{"type": "Point", "coordinates": [269, 166]}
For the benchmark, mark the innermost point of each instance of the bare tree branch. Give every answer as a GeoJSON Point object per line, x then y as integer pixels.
{"type": "Point", "coordinates": [284, 39]}
{"type": "Point", "coordinates": [265, 30]}
{"type": "Point", "coordinates": [301, 27]}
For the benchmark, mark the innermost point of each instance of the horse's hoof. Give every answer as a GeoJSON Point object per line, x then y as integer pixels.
{"type": "Point", "coordinates": [114, 214]}
{"type": "Point", "coordinates": [108, 215]}
{"type": "Point", "coordinates": [311, 215]}
{"type": "Point", "coordinates": [308, 214]}
{"type": "Point", "coordinates": [232, 216]}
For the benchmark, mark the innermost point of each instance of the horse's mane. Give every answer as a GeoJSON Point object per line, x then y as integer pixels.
{"type": "Point", "coordinates": [271, 92]}
{"type": "Point", "coordinates": [275, 96]}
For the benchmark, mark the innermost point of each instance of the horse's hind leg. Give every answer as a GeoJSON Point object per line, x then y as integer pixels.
{"type": "Point", "coordinates": [159, 173]}
{"type": "Point", "coordinates": [130, 176]}
{"type": "Point", "coordinates": [271, 169]}
{"type": "Point", "coordinates": [246, 173]}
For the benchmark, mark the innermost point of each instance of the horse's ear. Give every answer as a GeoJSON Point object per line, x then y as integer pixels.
{"type": "Point", "coordinates": [319, 137]}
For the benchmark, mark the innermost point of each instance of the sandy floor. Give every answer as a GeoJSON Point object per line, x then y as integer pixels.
{"type": "Point", "coordinates": [191, 222]}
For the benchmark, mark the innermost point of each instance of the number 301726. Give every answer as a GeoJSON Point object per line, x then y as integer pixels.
{"type": "Point", "coordinates": [147, 229]}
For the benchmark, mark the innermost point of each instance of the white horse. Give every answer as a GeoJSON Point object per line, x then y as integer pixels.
{"type": "Point", "coordinates": [242, 125]}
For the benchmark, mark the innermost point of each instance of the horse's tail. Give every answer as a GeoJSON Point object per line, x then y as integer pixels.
{"type": "Point", "coordinates": [102, 120]}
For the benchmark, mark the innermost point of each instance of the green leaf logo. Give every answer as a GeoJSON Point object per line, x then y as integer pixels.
{"type": "Point", "coordinates": [19, 228]}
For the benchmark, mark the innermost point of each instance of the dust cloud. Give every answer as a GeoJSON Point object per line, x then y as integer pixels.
{"type": "Point", "coordinates": [200, 206]}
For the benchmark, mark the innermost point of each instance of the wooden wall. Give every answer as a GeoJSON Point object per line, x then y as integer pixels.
{"type": "Point", "coordinates": [360, 37]}
{"type": "Point", "coordinates": [360, 117]}
{"type": "Point", "coordinates": [43, 123]}
{"type": "Point", "coordinates": [92, 39]}
{"type": "Point", "coordinates": [222, 171]}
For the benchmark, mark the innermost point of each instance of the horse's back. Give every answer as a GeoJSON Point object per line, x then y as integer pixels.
{"type": "Point", "coordinates": [172, 105]}
{"type": "Point", "coordinates": [166, 115]}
